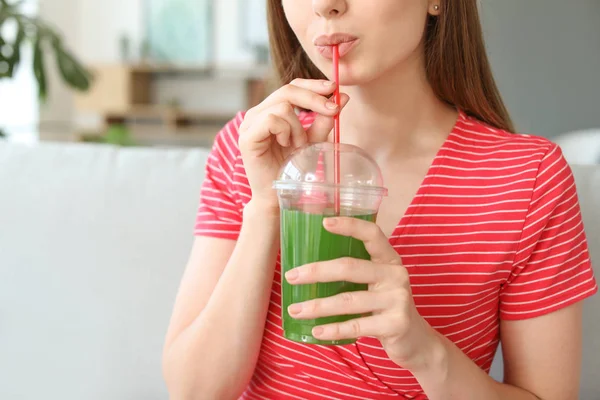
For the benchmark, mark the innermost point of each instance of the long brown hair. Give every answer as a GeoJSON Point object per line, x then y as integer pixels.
{"type": "Point", "coordinates": [456, 61]}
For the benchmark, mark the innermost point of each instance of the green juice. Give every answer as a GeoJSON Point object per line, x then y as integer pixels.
{"type": "Point", "coordinates": [304, 240]}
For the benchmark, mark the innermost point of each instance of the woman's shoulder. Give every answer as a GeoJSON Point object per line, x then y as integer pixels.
{"type": "Point", "coordinates": [226, 140]}
{"type": "Point", "coordinates": [503, 162]}
{"type": "Point", "coordinates": [475, 141]}
{"type": "Point", "coordinates": [476, 132]}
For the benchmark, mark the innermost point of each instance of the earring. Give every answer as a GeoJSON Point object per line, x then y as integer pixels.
{"type": "Point", "coordinates": [436, 7]}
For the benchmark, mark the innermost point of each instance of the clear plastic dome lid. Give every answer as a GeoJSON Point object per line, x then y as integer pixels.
{"type": "Point", "coordinates": [314, 167]}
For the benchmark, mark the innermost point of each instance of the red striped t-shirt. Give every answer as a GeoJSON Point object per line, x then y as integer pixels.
{"type": "Point", "coordinates": [494, 232]}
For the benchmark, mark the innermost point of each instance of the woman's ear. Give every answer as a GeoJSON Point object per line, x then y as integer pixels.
{"type": "Point", "coordinates": [434, 8]}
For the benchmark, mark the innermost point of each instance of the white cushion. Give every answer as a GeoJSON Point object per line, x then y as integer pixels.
{"type": "Point", "coordinates": [93, 242]}
{"type": "Point", "coordinates": [580, 147]}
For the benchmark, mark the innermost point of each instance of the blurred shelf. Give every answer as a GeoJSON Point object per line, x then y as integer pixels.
{"type": "Point", "coordinates": [169, 117]}
{"type": "Point", "coordinates": [171, 69]}
{"type": "Point", "coordinates": [123, 93]}
{"type": "Point", "coordinates": [145, 136]}
{"type": "Point", "coordinates": [213, 70]}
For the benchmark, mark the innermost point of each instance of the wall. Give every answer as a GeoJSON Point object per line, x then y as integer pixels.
{"type": "Point", "coordinates": [229, 44]}
{"type": "Point", "coordinates": [103, 22]}
{"type": "Point", "coordinates": [93, 28]}
{"type": "Point", "coordinates": [545, 55]}
{"type": "Point", "coordinates": [546, 58]}
{"type": "Point", "coordinates": [101, 25]}
{"type": "Point", "coordinates": [99, 43]}
{"type": "Point", "coordinates": [63, 14]}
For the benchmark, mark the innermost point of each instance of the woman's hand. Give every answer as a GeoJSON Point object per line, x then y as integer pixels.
{"type": "Point", "coordinates": [405, 335]}
{"type": "Point", "coordinates": [272, 130]}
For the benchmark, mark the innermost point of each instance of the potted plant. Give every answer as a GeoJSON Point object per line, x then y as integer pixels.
{"type": "Point", "coordinates": [44, 39]}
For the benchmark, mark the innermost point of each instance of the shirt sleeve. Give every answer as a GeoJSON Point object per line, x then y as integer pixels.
{"type": "Point", "coordinates": [552, 267]}
{"type": "Point", "coordinates": [220, 212]}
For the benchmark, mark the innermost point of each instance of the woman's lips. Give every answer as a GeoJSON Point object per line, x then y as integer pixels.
{"type": "Point", "coordinates": [344, 48]}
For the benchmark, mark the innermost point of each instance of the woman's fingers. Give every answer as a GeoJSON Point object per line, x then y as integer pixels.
{"type": "Point", "coordinates": [297, 135]}
{"type": "Point", "coordinates": [308, 94]}
{"type": "Point", "coordinates": [350, 270]}
{"type": "Point", "coordinates": [254, 139]}
{"type": "Point", "coordinates": [347, 303]}
{"type": "Point", "coordinates": [342, 269]}
{"type": "Point", "coordinates": [379, 325]}
{"type": "Point", "coordinates": [303, 93]}
{"type": "Point", "coordinates": [376, 243]}
{"type": "Point", "coordinates": [323, 124]}
{"type": "Point", "coordinates": [280, 121]}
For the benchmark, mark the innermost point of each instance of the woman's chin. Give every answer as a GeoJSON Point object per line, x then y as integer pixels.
{"type": "Point", "coordinates": [356, 77]}
{"type": "Point", "coordinates": [352, 73]}
{"type": "Point", "coordinates": [353, 80]}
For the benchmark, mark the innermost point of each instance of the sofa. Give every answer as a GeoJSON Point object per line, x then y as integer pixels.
{"type": "Point", "coordinates": [93, 243]}
{"type": "Point", "coordinates": [580, 147]}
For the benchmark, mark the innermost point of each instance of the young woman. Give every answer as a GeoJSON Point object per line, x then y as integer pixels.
{"type": "Point", "coordinates": [480, 240]}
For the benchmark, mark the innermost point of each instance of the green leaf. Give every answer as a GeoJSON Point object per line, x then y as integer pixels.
{"type": "Point", "coordinates": [11, 7]}
{"type": "Point", "coordinates": [119, 135]}
{"type": "Point", "coordinates": [15, 58]}
{"type": "Point", "coordinates": [39, 32]}
{"type": "Point", "coordinates": [2, 43]}
{"type": "Point", "coordinates": [71, 71]}
{"type": "Point", "coordinates": [39, 69]}
{"type": "Point", "coordinates": [4, 64]}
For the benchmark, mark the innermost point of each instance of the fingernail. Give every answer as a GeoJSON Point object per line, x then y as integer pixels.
{"type": "Point", "coordinates": [295, 308]}
{"type": "Point", "coordinates": [331, 221]}
{"type": "Point", "coordinates": [328, 83]}
{"type": "Point", "coordinates": [331, 105]}
{"type": "Point", "coordinates": [291, 275]}
{"type": "Point", "coordinates": [317, 331]}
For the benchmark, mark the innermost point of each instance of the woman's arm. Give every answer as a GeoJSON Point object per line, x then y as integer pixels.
{"type": "Point", "coordinates": [218, 320]}
{"type": "Point", "coordinates": [542, 359]}
{"type": "Point", "coordinates": [551, 268]}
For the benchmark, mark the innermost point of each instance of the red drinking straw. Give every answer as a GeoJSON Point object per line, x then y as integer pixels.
{"type": "Point", "coordinates": [336, 129]}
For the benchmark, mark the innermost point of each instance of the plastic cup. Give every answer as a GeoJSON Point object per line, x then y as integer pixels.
{"type": "Point", "coordinates": [307, 189]}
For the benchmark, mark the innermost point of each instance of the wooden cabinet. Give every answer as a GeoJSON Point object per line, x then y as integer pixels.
{"type": "Point", "coordinates": [124, 94]}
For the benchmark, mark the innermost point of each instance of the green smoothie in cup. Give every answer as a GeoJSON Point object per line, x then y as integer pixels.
{"type": "Point", "coordinates": [308, 193]}
{"type": "Point", "coordinates": [304, 240]}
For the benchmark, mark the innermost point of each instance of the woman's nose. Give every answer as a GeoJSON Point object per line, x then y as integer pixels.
{"type": "Point", "coordinates": [329, 8]}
